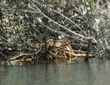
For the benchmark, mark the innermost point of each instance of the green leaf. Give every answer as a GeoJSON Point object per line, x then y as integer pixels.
{"type": "Point", "coordinates": [57, 28]}
{"type": "Point", "coordinates": [7, 4]}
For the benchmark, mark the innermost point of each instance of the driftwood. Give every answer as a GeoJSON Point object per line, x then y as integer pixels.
{"type": "Point", "coordinates": [60, 51]}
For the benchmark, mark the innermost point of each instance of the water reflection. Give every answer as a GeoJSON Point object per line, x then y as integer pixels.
{"type": "Point", "coordinates": [82, 73]}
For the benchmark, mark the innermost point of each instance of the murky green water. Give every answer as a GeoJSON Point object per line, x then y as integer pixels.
{"type": "Point", "coordinates": [80, 73]}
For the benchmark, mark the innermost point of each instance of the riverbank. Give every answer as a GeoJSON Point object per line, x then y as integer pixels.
{"type": "Point", "coordinates": [61, 50]}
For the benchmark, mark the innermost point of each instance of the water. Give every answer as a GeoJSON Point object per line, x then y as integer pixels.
{"type": "Point", "coordinates": [80, 73]}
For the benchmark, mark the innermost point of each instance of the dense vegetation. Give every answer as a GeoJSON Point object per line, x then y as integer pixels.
{"type": "Point", "coordinates": [84, 22]}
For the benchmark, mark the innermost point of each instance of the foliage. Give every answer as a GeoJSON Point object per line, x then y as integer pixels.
{"type": "Point", "coordinates": [24, 20]}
